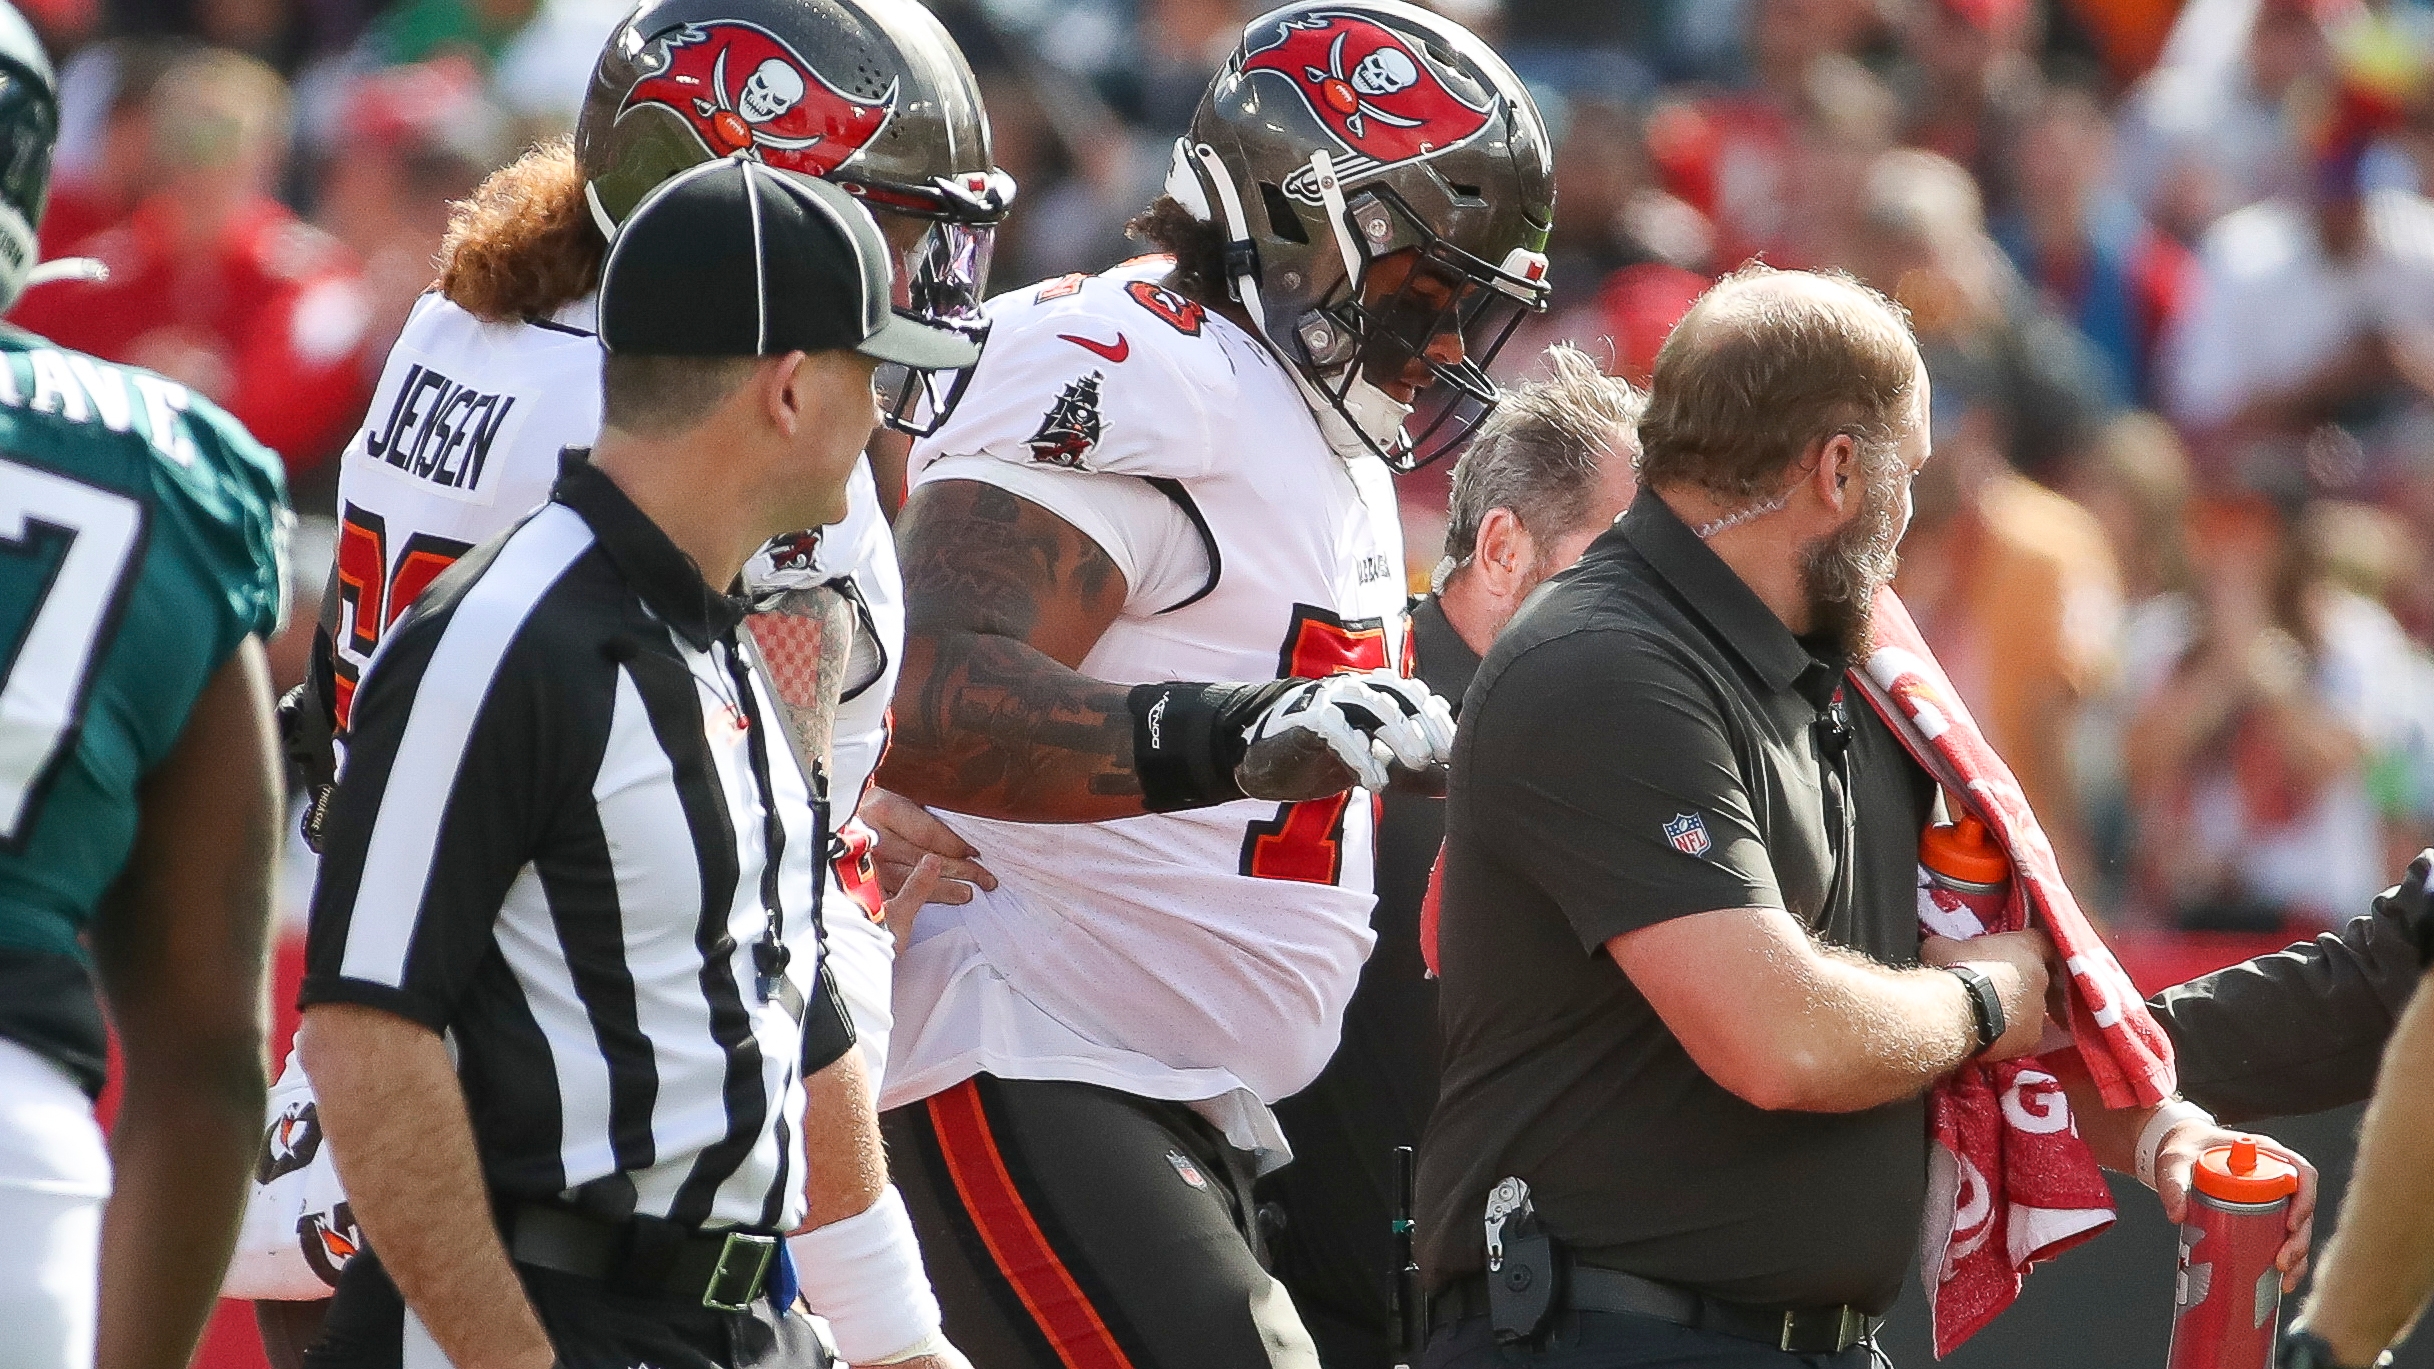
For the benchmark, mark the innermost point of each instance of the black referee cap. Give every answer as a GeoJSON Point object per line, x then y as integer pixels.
{"type": "Point", "coordinates": [734, 259]}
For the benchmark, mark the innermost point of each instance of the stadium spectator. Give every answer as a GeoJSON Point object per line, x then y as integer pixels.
{"type": "Point", "coordinates": [1614, 216]}
{"type": "Point", "coordinates": [2015, 588]}
{"type": "Point", "coordinates": [1926, 245]}
{"type": "Point", "coordinates": [2310, 308]}
{"type": "Point", "coordinates": [411, 140]}
{"type": "Point", "coordinates": [105, 153]}
{"type": "Point", "coordinates": [216, 284]}
{"type": "Point", "coordinates": [1969, 83]}
{"type": "Point", "coordinates": [2134, 479]}
{"type": "Point", "coordinates": [2247, 762]}
{"type": "Point", "coordinates": [1730, 154]}
{"type": "Point", "coordinates": [2218, 124]}
{"type": "Point", "coordinates": [2094, 259]}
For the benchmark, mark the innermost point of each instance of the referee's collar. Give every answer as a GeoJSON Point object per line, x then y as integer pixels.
{"type": "Point", "coordinates": [1715, 591]}
{"type": "Point", "coordinates": [667, 579]}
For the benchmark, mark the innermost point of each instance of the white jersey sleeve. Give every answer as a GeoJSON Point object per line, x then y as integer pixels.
{"type": "Point", "coordinates": [1164, 559]}
{"type": "Point", "coordinates": [1111, 373]}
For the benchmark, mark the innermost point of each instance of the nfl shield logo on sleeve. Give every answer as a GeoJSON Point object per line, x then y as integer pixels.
{"type": "Point", "coordinates": [1688, 833]}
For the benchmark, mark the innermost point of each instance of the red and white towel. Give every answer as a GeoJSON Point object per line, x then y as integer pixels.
{"type": "Point", "coordinates": [2010, 1182]}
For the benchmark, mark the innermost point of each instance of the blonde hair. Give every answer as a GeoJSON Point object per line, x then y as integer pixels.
{"type": "Point", "coordinates": [523, 245]}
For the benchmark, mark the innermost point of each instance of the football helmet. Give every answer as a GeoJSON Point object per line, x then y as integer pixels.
{"type": "Point", "coordinates": [1386, 185]}
{"type": "Point", "coordinates": [871, 95]}
{"type": "Point", "coordinates": [29, 126]}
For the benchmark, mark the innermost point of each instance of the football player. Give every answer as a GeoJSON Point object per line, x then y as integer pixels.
{"type": "Point", "coordinates": [1154, 585]}
{"type": "Point", "coordinates": [141, 566]}
{"type": "Point", "coordinates": [498, 370]}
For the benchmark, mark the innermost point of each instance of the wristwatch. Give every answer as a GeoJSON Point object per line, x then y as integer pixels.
{"type": "Point", "coordinates": [2304, 1349]}
{"type": "Point", "coordinates": [1985, 1005]}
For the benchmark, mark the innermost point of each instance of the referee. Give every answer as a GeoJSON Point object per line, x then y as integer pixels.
{"type": "Point", "coordinates": [562, 992]}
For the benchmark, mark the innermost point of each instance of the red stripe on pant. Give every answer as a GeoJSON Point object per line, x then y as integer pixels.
{"type": "Point", "coordinates": [1047, 1288]}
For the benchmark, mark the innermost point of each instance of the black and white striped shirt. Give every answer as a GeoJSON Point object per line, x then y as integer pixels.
{"type": "Point", "coordinates": [552, 842]}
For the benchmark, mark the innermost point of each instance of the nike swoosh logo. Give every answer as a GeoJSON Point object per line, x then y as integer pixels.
{"type": "Point", "coordinates": [1115, 351]}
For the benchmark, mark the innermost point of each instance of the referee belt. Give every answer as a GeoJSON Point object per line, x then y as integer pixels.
{"type": "Point", "coordinates": [724, 1269]}
{"type": "Point", "coordinates": [1587, 1288]}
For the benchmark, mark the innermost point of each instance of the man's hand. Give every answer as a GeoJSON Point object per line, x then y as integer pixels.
{"type": "Point", "coordinates": [2021, 967]}
{"type": "Point", "coordinates": [2176, 1164]}
{"type": "Point", "coordinates": [1373, 729]}
{"type": "Point", "coordinates": [908, 832]}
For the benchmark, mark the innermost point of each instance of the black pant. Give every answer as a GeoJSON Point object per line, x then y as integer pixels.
{"type": "Point", "coordinates": [590, 1326]}
{"type": "Point", "coordinates": [1336, 1252]}
{"type": "Point", "coordinates": [1067, 1226]}
{"type": "Point", "coordinates": [1620, 1340]}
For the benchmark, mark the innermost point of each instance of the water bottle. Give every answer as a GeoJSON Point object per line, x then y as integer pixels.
{"type": "Point", "coordinates": [1966, 871]}
{"type": "Point", "coordinates": [2229, 1295]}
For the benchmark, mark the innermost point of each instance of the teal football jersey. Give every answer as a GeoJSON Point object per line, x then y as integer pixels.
{"type": "Point", "coordinates": [142, 538]}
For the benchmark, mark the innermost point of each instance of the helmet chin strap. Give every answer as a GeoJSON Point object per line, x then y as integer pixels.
{"type": "Point", "coordinates": [1364, 420]}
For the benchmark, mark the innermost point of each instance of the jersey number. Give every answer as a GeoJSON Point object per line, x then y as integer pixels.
{"type": "Point", "coordinates": [371, 595]}
{"type": "Point", "coordinates": [66, 548]}
{"type": "Point", "coordinates": [1305, 841]}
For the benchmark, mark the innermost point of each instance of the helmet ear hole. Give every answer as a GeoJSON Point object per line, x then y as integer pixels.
{"type": "Point", "coordinates": [1284, 222]}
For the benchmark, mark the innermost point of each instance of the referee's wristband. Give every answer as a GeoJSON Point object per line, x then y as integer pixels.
{"type": "Point", "coordinates": [864, 1275]}
{"type": "Point", "coordinates": [1188, 737]}
{"type": "Point", "coordinates": [1985, 1005]}
{"type": "Point", "coordinates": [2159, 1125]}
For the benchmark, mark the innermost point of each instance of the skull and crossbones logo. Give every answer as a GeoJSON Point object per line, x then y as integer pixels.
{"type": "Point", "coordinates": [773, 88]}
{"type": "Point", "coordinates": [1383, 72]}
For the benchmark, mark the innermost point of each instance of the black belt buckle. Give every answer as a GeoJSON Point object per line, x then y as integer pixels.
{"type": "Point", "coordinates": [736, 1279]}
{"type": "Point", "coordinates": [1823, 1330]}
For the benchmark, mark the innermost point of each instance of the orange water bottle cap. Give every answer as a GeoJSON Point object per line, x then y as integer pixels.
{"type": "Point", "coordinates": [2240, 1173]}
{"type": "Point", "coordinates": [1964, 850]}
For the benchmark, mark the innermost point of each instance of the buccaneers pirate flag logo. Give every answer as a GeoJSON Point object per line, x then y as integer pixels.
{"type": "Point", "coordinates": [744, 90]}
{"type": "Point", "coordinates": [1376, 95]}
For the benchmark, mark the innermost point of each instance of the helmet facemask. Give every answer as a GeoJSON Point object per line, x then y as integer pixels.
{"type": "Point", "coordinates": [1449, 311]}
{"type": "Point", "coordinates": [942, 279]}
{"type": "Point", "coordinates": [1414, 310]}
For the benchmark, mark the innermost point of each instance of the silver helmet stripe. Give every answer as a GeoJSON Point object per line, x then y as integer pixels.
{"type": "Point", "coordinates": [1322, 170]}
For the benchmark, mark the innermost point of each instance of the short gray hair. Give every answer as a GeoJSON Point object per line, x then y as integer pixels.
{"type": "Point", "coordinates": [1540, 453]}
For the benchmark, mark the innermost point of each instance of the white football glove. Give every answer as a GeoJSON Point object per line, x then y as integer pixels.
{"type": "Point", "coordinates": [1370, 721]}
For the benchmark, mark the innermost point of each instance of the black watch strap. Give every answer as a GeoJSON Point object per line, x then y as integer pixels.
{"type": "Point", "coordinates": [1985, 1005]}
{"type": "Point", "coordinates": [2304, 1349]}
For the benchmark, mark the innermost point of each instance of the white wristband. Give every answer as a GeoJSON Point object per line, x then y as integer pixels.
{"type": "Point", "coordinates": [864, 1275]}
{"type": "Point", "coordinates": [2151, 1136]}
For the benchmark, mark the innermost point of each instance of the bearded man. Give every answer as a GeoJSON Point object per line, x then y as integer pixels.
{"type": "Point", "coordinates": [1687, 1030]}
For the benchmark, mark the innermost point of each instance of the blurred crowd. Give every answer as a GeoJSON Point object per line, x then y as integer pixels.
{"type": "Point", "coordinates": [2172, 264]}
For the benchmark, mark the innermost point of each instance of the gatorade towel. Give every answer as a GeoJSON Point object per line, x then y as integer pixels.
{"type": "Point", "coordinates": [2009, 1180]}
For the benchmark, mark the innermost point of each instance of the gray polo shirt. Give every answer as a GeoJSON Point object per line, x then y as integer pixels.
{"type": "Point", "coordinates": [1647, 741]}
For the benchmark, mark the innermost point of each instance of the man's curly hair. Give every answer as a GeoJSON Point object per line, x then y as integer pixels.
{"type": "Point", "coordinates": [1197, 246]}
{"type": "Point", "coordinates": [522, 245]}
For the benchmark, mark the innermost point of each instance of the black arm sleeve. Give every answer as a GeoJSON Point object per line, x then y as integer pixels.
{"type": "Point", "coordinates": [2300, 1030]}
{"type": "Point", "coordinates": [828, 1029]}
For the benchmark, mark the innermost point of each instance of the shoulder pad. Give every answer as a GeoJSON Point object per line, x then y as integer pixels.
{"type": "Point", "coordinates": [1094, 373]}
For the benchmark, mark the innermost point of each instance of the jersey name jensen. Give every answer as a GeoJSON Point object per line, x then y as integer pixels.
{"type": "Point", "coordinates": [439, 429]}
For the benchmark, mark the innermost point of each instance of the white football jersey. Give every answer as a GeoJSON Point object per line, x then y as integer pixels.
{"type": "Point", "coordinates": [462, 439]}
{"type": "Point", "coordinates": [1203, 956]}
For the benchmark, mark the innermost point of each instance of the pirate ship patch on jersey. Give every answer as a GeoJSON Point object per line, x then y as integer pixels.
{"type": "Point", "coordinates": [742, 89]}
{"type": "Point", "coordinates": [1071, 426]}
{"type": "Point", "coordinates": [1380, 98]}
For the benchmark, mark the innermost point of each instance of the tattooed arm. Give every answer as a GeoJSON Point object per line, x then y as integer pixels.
{"type": "Point", "coordinates": [1003, 599]}
{"type": "Point", "coordinates": [805, 638]}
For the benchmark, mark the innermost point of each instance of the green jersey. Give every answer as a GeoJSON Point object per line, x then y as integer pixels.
{"type": "Point", "coordinates": [142, 538]}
